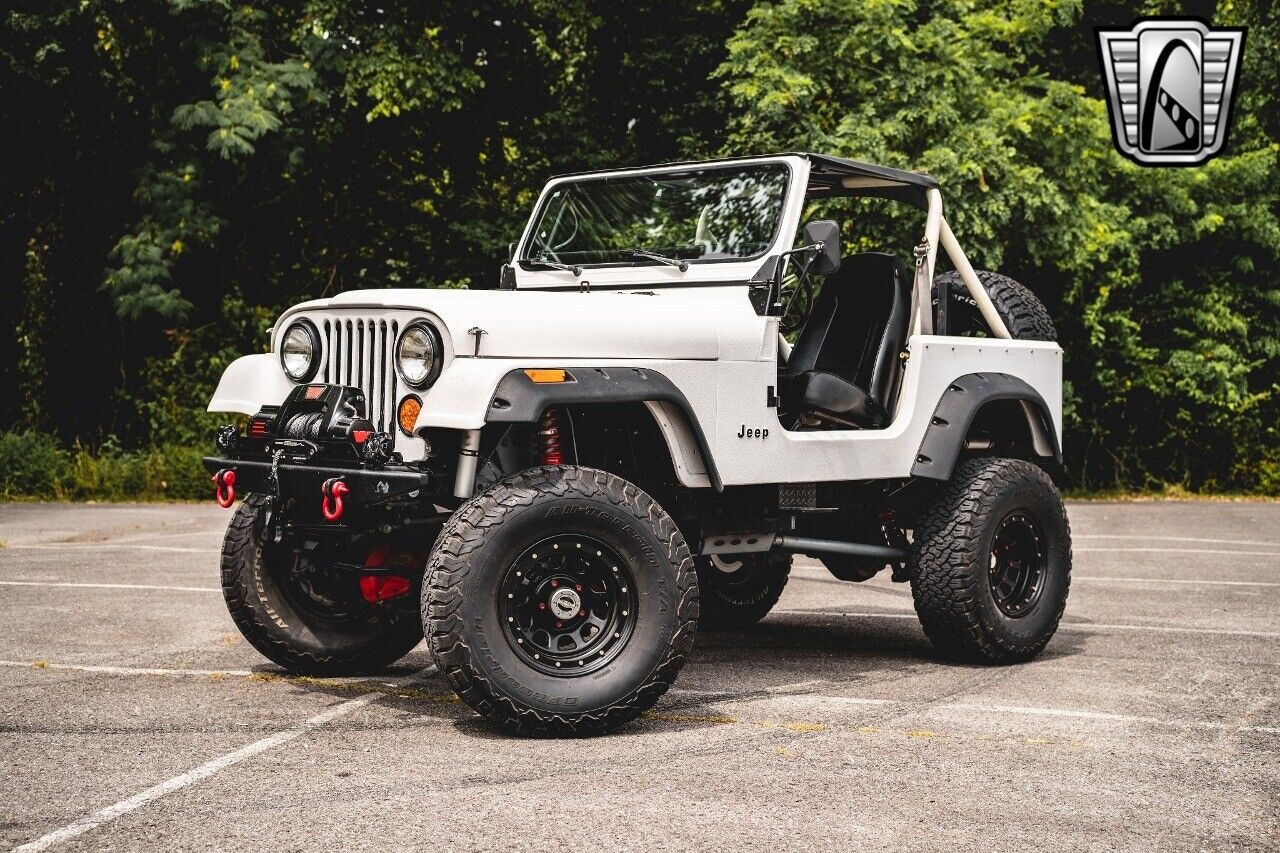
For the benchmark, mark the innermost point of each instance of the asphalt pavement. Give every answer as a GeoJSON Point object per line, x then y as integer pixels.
{"type": "Point", "coordinates": [133, 716]}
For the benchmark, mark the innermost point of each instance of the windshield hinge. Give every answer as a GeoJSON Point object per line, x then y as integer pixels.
{"type": "Point", "coordinates": [584, 286]}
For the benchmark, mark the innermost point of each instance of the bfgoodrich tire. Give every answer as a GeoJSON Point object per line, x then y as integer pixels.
{"type": "Point", "coordinates": [306, 619]}
{"type": "Point", "coordinates": [560, 601]}
{"type": "Point", "coordinates": [990, 566]}
{"type": "Point", "coordinates": [1023, 313]}
{"type": "Point", "coordinates": [738, 590]}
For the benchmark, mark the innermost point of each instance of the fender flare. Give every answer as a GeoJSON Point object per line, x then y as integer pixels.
{"type": "Point", "coordinates": [945, 436]}
{"type": "Point", "coordinates": [518, 399]}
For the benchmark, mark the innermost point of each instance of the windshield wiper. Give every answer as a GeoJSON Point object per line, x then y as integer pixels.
{"type": "Point", "coordinates": [683, 266]}
{"type": "Point", "coordinates": [556, 265]}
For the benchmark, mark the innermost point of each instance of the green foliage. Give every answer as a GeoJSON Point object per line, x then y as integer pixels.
{"type": "Point", "coordinates": [31, 464]}
{"type": "Point", "coordinates": [1161, 279]}
{"type": "Point", "coordinates": [190, 166]}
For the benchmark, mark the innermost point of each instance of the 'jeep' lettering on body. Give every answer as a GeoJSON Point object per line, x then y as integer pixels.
{"type": "Point", "coordinates": [744, 432]}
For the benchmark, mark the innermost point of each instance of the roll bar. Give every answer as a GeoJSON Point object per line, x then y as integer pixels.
{"type": "Point", "coordinates": [937, 231]}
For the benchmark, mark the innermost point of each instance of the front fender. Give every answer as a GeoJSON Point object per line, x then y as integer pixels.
{"type": "Point", "coordinates": [249, 383]}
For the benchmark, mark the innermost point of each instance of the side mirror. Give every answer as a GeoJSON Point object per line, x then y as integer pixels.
{"type": "Point", "coordinates": [827, 233]}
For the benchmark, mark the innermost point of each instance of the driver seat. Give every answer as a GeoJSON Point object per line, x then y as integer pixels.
{"type": "Point", "coordinates": [846, 364]}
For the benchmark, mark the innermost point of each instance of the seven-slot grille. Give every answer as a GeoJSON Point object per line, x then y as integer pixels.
{"type": "Point", "coordinates": [361, 352]}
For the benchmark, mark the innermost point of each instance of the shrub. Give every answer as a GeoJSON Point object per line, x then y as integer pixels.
{"type": "Point", "coordinates": [31, 465]}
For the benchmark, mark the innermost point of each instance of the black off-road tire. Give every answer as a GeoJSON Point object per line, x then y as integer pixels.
{"type": "Point", "coordinates": [743, 597]}
{"type": "Point", "coordinates": [951, 565]}
{"type": "Point", "coordinates": [303, 640]}
{"type": "Point", "coordinates": [1023, 313]}
{"type": "Point", "coordinates": [476, 554]}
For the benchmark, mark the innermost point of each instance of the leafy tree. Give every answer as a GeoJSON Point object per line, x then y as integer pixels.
{"type": "Point", "coordinates": [1160, 279]}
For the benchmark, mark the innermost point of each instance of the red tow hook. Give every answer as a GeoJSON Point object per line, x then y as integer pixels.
{"type": "Point", "coordinates": [333, 490]}
{"type": "Point", "coordinates": [225, 483]}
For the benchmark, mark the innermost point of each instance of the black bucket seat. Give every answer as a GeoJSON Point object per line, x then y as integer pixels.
{"type": "Point", "coordinates": [846, 365]}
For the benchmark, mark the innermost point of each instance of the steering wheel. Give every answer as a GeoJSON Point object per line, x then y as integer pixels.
{"type": "Point", "coordinates": [796, 295]}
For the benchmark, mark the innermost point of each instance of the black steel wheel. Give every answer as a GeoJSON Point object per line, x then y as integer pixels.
{"type": "Point", "coordinates": [560, 601]}
{"type": "Point", "coordinates": [568, 604]}
{"type": "Point", "coordinates": [990, 563]}
{"type": "Point", "coordinates": [1017, 564]}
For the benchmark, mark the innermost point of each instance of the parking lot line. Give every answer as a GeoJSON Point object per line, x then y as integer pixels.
{"type": "Point", "coordinates": [1066, 626]}
{"type": "Point", "coordinates": [204, 771]}
{"type": "Point", "coordinates": [1177, 581]}
{"type": "Point", "coordinates": [1143, 538]}
{"type": "Point", "coordinates": [98, 546]}
{"type": "Point", "coordinates": [113, 586]}
{"type": "Point", "coordinates": [1218, 551]}
{"type": "Point", "coordinates": [1019, 710]}
{"type": "Point", "coordinates": [814, 573]}
{"type": "Point", "coordinates": [121, 670]}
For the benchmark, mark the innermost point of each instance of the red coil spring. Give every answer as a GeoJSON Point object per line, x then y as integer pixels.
{"type": "Point", "coordinates": [546, 439]}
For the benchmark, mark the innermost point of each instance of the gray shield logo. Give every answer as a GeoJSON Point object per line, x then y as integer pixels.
{"type": "Point", "coordinates": [1170, 82]}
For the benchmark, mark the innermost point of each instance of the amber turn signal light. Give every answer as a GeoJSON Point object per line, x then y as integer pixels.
{"type": "Point", "coordinates": [407, 413]}
{"type": "Point", "coordinates": [546, 375]}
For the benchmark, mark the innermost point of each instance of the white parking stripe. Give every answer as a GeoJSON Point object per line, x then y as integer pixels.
{"type": "Point", "coordinates": [1107, 716]}
{"type": "Point", "coordinates": [1179, 582]}
{"type": "Point", "coordinates": [1176, 551]}
{"type": "Point", "coordinates": [1065, 626]}
{"type": "Point", "coordinates": [204, 771]}
{"type": "Point", "coordinates": [924, 706]}
{"type": "Point", "coordinates": [113, 586]}
{"type": "Point", "coordinates": [1148, 537]}
{"type": "Point", "coordinates": [98, 546]}
{"type": "Point", "coordinates": [819, 574]}
{"type": "Point", "coordinates": [122, 670]}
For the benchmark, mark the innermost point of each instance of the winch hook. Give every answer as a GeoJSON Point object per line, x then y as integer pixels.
{"type": "Point", "coordinates": [225, 483]}
{"type": "Point", "coordinates": [333, 490]}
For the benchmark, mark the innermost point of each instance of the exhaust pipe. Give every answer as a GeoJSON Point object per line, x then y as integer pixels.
{"type": "Point", "coordinates": [809, 545]}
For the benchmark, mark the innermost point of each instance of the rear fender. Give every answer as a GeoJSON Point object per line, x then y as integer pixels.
{"type": "Point", "coordinates": [944, 438]}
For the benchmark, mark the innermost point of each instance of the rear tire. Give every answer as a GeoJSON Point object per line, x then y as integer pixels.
{"type": "Point", "coordinates": [990, 565]}
{"type": "Point", "coordinates": [510, 617]}
{"type": "Point", "coordinates": [738, 590]}
{"type": "Point", "coordinates": [294, 625]}
{"type": "Point", "coordinates": [1023, 313]}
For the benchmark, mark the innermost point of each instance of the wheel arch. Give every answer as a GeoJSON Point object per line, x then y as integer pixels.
{"type": "Point", "coordinates": [518, 399]}
{"type": "Point", "coordinates": [994, 398]}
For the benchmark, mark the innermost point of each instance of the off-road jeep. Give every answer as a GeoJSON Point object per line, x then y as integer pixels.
{"type": "Point", "coordinates": [674, 388]}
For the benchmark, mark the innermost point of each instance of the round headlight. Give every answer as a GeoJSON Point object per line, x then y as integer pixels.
{"type": "Point", "coordinates": [418, 355]}
{"type": "Point", "coordinates": [299, 349]}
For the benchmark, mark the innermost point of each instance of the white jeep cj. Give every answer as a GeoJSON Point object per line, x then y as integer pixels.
{"type": "Point", "coordinates": [561, 479]}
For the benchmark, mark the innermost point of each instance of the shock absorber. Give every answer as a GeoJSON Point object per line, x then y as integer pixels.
{"type": "Point", "coordinates": [546, 439]}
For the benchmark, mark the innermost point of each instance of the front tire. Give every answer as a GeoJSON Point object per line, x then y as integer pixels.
{"type": "Point", "coordinates": [560, 601]}
{"type": "Point", "coordinates": [299, 616]}
{"type": "Point", "coordinates": [990, 565]}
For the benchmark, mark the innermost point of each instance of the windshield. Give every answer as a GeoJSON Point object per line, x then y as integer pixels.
{"type": "Point", "coordinates": [714, 214]}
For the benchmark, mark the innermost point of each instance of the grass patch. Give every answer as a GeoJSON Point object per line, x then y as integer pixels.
{"type": "Point", "coordinates": [33, 466]}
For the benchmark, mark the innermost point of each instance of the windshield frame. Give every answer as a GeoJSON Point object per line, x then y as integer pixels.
{"type": "Point", "coordinates": [527, 266]}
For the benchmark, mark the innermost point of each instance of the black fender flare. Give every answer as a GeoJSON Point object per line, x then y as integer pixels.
{"type": "Point", "coordinates": [518, 399]}
{"type": "Point", "coordinates": [965, 396]}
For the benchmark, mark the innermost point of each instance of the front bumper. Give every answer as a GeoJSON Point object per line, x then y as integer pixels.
{"type": "Point", "coordinates": [368, 487]}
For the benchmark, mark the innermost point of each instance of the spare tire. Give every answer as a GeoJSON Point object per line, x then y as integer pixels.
{"type": "Point", "coordinates": [1024, 315]}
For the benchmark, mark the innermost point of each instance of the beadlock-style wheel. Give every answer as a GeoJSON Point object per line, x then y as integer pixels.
{"type": "Point", "coordinates": [990, 563]}
{"type": "Point", "coordinates": [560, 601]}
{"type": "Point", "coordinates": [568, 605]}
{"type": "Point", "coordinates": [1017, 564]}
